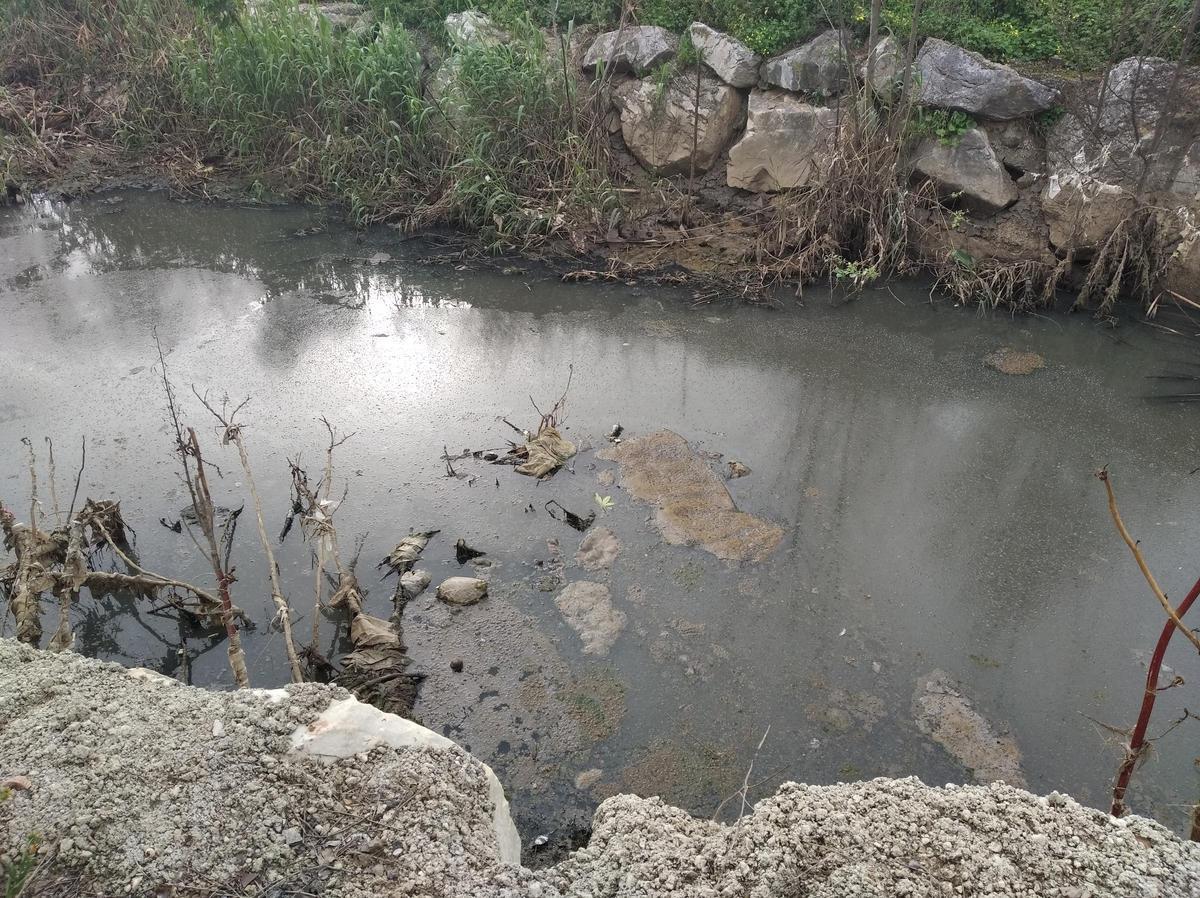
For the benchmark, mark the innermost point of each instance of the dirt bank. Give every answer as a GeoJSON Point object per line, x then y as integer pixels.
{"type": "Point", "coordinates": [127, 783]}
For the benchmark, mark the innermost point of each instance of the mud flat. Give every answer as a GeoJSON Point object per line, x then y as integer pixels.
{"type": "Point", "coordinates": [124, 782]}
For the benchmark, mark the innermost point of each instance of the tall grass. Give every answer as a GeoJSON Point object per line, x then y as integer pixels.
{"type": "Point", "coordinates": [527, 153]}
{"type": "Point", "coordinates": [510, 147]}
{"type": "Point", "coordinates": [322, 113]}
{"type": "Point", "coordinates": [505, 148]}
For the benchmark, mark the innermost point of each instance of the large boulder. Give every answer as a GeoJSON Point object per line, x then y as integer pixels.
{"type": "Point", "coordinates": [953, 78]}
{"type": "Point", "coordinates": [1122, 144]}
{"type": "Point", "coordinates": [352, 17]}
{"type": "Point", "coordinates": [659, 125]}
{"type": "Point", "coordinates": [474, 28]}
{"type": "Point", "coordinates": [730, 60]}
{"type": "Point", "coordinates": [967, 169]}
{"type": "Point", "coordinates": [819, 67]}
{"type": "Point", "coordinates": [788, 143]}
{"type": "Point", "coordinates": [884, 68]}
{"type": "Point", "coordinates": [636, 49]}
{"type": "Point", "coordinates": [1019, 145]}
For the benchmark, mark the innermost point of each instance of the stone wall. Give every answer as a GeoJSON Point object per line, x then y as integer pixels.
{"type": "Point", "coordinates": [1048, 169]}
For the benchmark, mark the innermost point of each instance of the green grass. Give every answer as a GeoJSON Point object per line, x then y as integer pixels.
{"type": "Point", "coordinates": [506, 149]}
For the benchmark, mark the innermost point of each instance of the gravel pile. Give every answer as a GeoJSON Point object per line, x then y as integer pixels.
{"type": "Point", "coordinates": [133, 783]}
{"type": "Point", "coordinates": [137, 782]}
{"type": "Point", "coordinates": [883, 838]}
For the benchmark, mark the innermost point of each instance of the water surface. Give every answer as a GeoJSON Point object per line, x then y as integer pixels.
{"type": "Point", "coordinates": [937, 514]}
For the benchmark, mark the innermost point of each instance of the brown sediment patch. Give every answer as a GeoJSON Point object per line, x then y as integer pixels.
{"type": "Point", "coordinates": [597, 702]}
{"type": "Point", "coordinates": [687, 774]}
{"type": "Point", "coordinates": [945, 715]}
{"type": "Point", "coordinates": [588, 608]}
{"type": "Point", "coordinates": [1007, 360]}
{"type": "Point", "coordinates": [598, 549]}
{"type": "Point", "coordinates": [844, 711]}
{"type": "Point", "coordinates": [694, 505]}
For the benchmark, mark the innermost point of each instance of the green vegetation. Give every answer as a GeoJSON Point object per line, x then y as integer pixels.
{"type": "Point", "coordinates": [508, 150]}
{"type": "Point", "coordinates": [1082, 33]}
{"type": "Point", "coordinates": [344, 118]}
{"type": "Point", "coordinates": [947, 127]}
{"type": "Point", "coordinates": [17, 874]}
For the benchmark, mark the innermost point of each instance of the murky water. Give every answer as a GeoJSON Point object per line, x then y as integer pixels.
{"type": "Point", "coordinates": [936, 514]}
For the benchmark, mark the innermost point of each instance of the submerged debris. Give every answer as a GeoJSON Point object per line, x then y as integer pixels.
{"type": "Point", "coordinates": [465, 553]}
{"type": "Point", "coordinates": [570, 518]}
{"type": "Point", "coordinates": [589, 610]}
{"type": "Point", "coordinates": [402, 558]}
{"type": "Point", "coordinates": [546, 453]}
{"type": "Point", "coordinates": [1014, 361]}
{"type": "Point", "coordinates": [694, 505]}
{"type": "Point", "coordinates": [63, 560]}
{"type": "Point", "coordinates": [945, 715]}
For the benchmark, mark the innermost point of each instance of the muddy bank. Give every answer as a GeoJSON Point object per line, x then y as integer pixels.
{"type": "Point", "coordinates": [159, 786]}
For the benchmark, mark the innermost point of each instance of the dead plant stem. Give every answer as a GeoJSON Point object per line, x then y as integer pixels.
{"type": "Point", "coordinates": [1141, 560]}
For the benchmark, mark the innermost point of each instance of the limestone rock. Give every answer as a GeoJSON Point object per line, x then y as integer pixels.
{"type": "Point", "coordinates": [1183, 272]}
{"type": "Point", "coordinates": [588, 608]}
{"type": "Point", "coordinates": [462, 590]}
{"type": "Point", "coordinates": [658, 127]}
{"type": "Point", "coordinates": [636, 49]}
{"type": "Point", "coordinates": [730, 60]}
{"type": "Point", "coordinates": [953, 78]}
{"type": "Point", "coordinates": [1082, 211]}
{"type": "Point", "coordinates": [344, 16]}
{"type": "Point", "coordinates": [1018, 146]}
{"type": "Point", "coordinates": [969, 168]}
{"type": "Point", "coordinates": [787, 143]}
{"type": "Point", "coordinates": [1098, 157]}
{"type": "Point", "coordinates": [820, 66]}
{"type": "Point", "coordinates": [473, 27]}
{"type": "Point", "coordinates": [888, 70]}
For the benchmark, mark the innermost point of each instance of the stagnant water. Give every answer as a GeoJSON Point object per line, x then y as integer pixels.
{"type": "Point", "coordinates": [937, 514]}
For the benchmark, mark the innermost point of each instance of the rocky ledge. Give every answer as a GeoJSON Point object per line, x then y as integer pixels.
{"type": "Point", "coordinates": [1043, 171]}
{"type": "Point", "coordinates": [125, 782]}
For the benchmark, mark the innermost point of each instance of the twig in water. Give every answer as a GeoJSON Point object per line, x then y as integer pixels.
{"type": "Point", "coordinates": [187, 448]}
{"type": "Point", "coordinates": [1141, 561]}
{"type": "Point", "coordinates": [283, 610]}
{"type": "Point", "coordinates": [750, 769]}
{"type": "Point", "coordinates": [78, 477]}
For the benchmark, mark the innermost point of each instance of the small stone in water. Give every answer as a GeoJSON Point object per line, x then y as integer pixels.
{"type": "Point", "coordinates": [456, 665]}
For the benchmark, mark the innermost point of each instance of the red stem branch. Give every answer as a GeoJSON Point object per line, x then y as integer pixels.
{"type": "Point", "coordinates": [1137, 742]}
